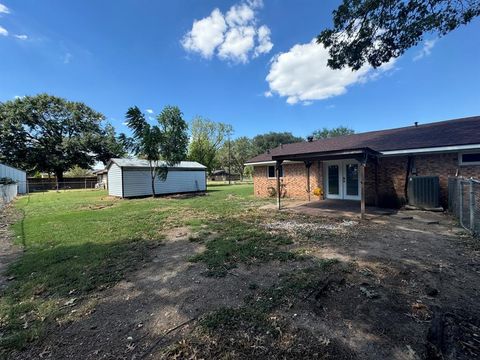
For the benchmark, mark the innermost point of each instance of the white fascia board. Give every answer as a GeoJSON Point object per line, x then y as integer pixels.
{"type": "Point", "coordinates": [259, 163]}
{"type": "Point", "coordinates": [431, 150]}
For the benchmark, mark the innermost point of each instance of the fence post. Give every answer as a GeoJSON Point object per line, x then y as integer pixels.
{"type": "Point", "coordinates": [460, 201]}
{"type": "Point", "coordinates": [471, 207]}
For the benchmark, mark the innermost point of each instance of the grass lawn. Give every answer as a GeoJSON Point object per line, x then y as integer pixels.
{"type": "Point", "coordinates": [246, 282]}
{"type": "Point", "coordinates": [80, 241]}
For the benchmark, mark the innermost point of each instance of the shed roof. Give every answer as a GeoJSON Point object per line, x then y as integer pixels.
{"type": "Point", "coordinates": [464, 131]}
{"type": "Point", "coordinates": [140, 163]}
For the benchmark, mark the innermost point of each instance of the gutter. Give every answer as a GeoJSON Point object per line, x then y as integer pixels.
{"type": "Point", "coordinates": [429, 150]}
{"type": "Point", "coordinates": [452, 148]}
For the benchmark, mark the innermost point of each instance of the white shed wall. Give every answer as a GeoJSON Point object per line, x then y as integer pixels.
{"type": "Point", "coordinates": [19, 176]}
{"type": "Point", "coordinates": [137, 182]}
{"type": "Point", "coordinates": [115, 180]}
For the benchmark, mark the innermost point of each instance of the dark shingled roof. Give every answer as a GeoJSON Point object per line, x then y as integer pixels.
{"type": "Point", "coordinates": [455, 132]}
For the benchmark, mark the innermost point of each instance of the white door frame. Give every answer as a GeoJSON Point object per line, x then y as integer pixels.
{"type": "Point", "coordinates": [342, 181]}
{"type": "Point", "coordinates": [326, 164]}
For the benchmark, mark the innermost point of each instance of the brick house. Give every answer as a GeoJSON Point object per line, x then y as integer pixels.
{"type": "Point", "coordinates": [385, 159]}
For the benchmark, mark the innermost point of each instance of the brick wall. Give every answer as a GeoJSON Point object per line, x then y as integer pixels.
{"type": "Point", "coordinates": [294, 181]}
{"type": "Point", "coordinates": [392, 172]}
{"type": "Point", "coordinates": [384, 182]}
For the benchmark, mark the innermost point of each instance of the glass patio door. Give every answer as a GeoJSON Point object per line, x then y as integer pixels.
{"type": "Point", "coordinates": [351, 188]}
{"type": "Point", "coordinates": [333, 183]}
{"type": "Point", "coordinates": [342, 180]}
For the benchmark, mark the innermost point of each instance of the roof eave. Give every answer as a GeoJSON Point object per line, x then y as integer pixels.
{"type": "Point", "coordinates": [326, 155]}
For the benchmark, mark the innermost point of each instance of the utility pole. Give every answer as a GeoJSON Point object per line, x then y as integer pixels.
{"type": "Point", "coordinates": [229, 160]}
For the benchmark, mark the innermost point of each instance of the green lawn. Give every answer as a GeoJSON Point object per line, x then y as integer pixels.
{"type": "Point", "coordinates": [77, 242]}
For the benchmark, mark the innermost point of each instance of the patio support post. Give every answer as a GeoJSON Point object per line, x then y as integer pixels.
{"type": "Point", "coordinates": [362, 190]}
{"type": "Point", "coordinates": [308, 164]}
{"type": "Point", "coordinates": [279, 192]}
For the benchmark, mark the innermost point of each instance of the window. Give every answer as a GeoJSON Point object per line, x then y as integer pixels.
{"type": "Point", "coordinates": [469, 158]}
{"type": "Point", "coordinates": [271, 171]}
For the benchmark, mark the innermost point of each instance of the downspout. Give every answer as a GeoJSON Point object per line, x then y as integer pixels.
{"type": "Point", "coordinates": [407, 176]}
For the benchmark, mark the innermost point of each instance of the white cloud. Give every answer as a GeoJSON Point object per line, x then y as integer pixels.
{"type": "Point", "coordinates": [302, 75]}
{"type": "Point", "coordinates": [233, 37]}
{"type": "Point", "coordinates": [239, 41]}
{"type": "Point", "coordinates": [150, 111]}
{"type": "Point", "coordinates": [4, 9]}
{"type": "Point", "coordinates": [426, 49]}
{"type": "Point", "coordinates": [240, 15]}
{"type": "Point", "coordinates": [206, 34]}
{"type": "Point", "coordinates": [21, 37]}
{"type": "Point", "coordinates": [3, 31]}
{"type": "Point", "coordinates": [264, 42]}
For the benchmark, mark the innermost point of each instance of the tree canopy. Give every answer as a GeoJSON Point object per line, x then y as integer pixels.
{"type": "Point", "coordinates": [325, 133]}
{"type": "Point", "coordinates": [264, 142]}
{"type": "Point", "coordinates": [376, 31]}
{"type": "Point", "coordinates": [207, 137]}
{"type": "Point", "coordinates": [235, 154]}
{"type": "Point", "coordinates": [52, 134]}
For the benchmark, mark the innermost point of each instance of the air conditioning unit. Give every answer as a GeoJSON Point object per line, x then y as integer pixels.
{"type": "Point", "coordinates": [424, 191]}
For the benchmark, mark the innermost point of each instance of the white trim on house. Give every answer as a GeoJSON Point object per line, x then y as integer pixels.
{"type": "Point", "coordinates": [274, 177]}
{"type": "Point", "coordinates": [452, 148]}
{"type": "Point", "coordinates": [462, 163]}
{"type": "Point", "coordinates": [272, 163]}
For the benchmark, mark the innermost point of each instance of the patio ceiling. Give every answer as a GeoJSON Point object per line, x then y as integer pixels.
{"type": "Point", "coordinates": [360, 154]}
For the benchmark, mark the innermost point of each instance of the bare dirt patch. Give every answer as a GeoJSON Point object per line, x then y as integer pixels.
{"type": "Point", "coordinates": [400, 289]}
{"type": "Point", "coordinates": [8, 251]}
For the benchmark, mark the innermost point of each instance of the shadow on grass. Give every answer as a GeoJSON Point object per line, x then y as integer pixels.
{"type": "Point", "coordinates": [45, 280]}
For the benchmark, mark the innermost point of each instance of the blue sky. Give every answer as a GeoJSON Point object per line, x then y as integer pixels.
{"type": "Point", "coordinates": [247, 63]}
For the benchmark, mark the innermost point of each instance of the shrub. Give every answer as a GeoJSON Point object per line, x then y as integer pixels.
{"type": "Point", "coordinates": [7, 181]}
{"type": "Point", "coordinates": [272, 192]}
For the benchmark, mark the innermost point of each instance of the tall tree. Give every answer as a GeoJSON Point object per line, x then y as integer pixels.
{"type": "Point", "coordinates": [166, 142]}
{"type": "Point", "coordinates": [325, 133]}
{"type": "Point", "coordinates": [107, 144]}
{"type": "Point", "coordinates": [48, 133]}
{"type": "Point", "coordinates": [236, 154]}
{"type": "Point", "coordinates": [264, 142]}
{"type": "Point", "coordinates": [375, 31]}
{"type": "Point", "coordinates": [207, 137]}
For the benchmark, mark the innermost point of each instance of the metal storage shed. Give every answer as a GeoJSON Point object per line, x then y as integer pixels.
{"type": "Point", "coordinates": [131, 178]}
{"type": "Point", "coordinates": [18, 175]}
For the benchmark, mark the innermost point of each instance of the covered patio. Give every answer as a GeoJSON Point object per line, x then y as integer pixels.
{"type": "Point", "coordinates": [363, 156]}
{"type": "Point", "coordinates": [336, 208]}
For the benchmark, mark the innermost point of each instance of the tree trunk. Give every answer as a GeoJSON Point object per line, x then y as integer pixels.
{"type": "Point", "coordinates": [152, 174]}
{"type": "Point", "coordinates": [59, 177]}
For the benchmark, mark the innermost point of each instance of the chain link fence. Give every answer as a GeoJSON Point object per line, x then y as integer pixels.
{"type": "Point", "coordinates": [464, 202]}
{"type": "Point", "coordinates": [39, 186]}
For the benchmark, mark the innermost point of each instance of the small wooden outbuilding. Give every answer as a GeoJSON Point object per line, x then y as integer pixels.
{"type": "Point", "coordinates": [131, 178]}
